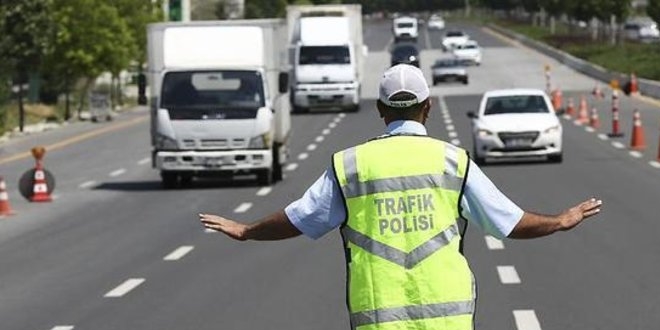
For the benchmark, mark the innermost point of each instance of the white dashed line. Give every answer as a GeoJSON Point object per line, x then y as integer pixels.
{"type": "Point", "coordinates": [577, 123]}
{"type": "Point", "coordinates": [179, 253]}
{"type": "Point", "coordinates": [332, 125]}
{"type": "Point", "coordinates": [448, 121]}
{"type": "Point", "coordinates": [654, 164]}
{"type": "Point", "coordinates": [303, 156]}
{"type": "Point", "coordinates": [452, 134]}
{"type": "Point", "coordinates": [456, 142]}
{"type": "Point", "coordinates": [589, 129]}
{"type": "Point", "coordinates": [319, 138]}
{"type": "Point", "coordinates": [118, 172]}
{"type": "Point", "coordinates": [342, 115]}
{"type": "Point", "coordinates": [144, 161]}
{"type": "Point", "coordinates": [311, 147]}
{"type": "Point", "coordinates": [526, 320]}
{"type": "Point", "coordinates": [62, 327]}
{"type": "Point", "coordinates": [326, 131]}
{"type": "Point", "coordinates": [567, 117]}
{"type": "Point", "coordinates": [618, 145]}
{"type": "Point", "coordinates": [508, 275]}
{"type": "Point", "coordinates": [124, 288]}
{"type": "Point", "coordinates": [635, 154]}
{"type": "Point", "coordinates": [451, 128]}
{"type": "Point", "coordinates": [603, 137]}
{"type": "Point", "coordinates": [337, 120]}
{"type": "Point", "coordinates": [208, 230]}
{"type": "Point", "coordinates": [291, 167]}
{"type": "Point", "coordinates": [87, 184]}
{"type": "Point", "coordinates": [264, 191]}
{"type": "Point", "coordinates": [493, 243]}
{"type": "Point", "coordinates": [244, 207]}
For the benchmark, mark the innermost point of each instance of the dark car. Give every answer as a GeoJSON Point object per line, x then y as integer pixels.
{"type": "Point", "coordinates": [405, 53]}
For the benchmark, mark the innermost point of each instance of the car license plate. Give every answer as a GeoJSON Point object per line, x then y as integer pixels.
{"type": "Point", "coordinates": [518, 143]}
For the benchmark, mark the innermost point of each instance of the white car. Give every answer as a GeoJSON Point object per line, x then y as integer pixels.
{"type": "Point", "coordinates": [469, 52]}
{"type": "Point", "coordinates": [453, 38]}
{"type": "Point", "coordinates": [436, 22]}
{"type": "Point", "coordinates": [516, 123]}
{"type": "Point", "coordinates": [405, 28]}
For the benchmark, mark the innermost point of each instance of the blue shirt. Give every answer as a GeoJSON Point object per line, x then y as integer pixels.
{"type": "Point", "coordinates": [321, 208]}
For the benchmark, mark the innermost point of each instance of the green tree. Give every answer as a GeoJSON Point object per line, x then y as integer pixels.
{"type": "Point", "coordinates": [24, 42]}
{"type": "Point", "coordinates": [653, 10]}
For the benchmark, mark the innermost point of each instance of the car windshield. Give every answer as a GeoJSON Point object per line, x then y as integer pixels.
{"type": "Point", "coordinates": [468, 47]}
{"type": "Point", "coordinates": [516, 104]}
{"type": "Point", "coordinates": [324, 55]}
{"type": "Point", "coordinates": [404, 25]}
{"type": "Point", "coordinates": [447, 64]}
{"type": "Point", "coordinates": [212, 94]}
{"type": "Point", "coordinates": [454, 34]}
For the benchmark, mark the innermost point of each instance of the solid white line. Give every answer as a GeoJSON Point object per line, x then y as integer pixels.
{"type": "Point", "coordinates": [326, 131]}
{"type": "Point", "coordinates": [62, 327]}
{"type": "Point", "coordinates": [654, 164]}
{"type": "Point", "coordinates": [508, 275]}
{"type": "Point", "coordinates": [456, 142]}
{"type": "Point", "coordinates": [118, 172]}
{"type": "Point", "coordinates": [179, 253]}
{"type": "Point", "coordinates": [319, 138]}
{"type": "Point", "coordinates": [124, 288]}
{"type": "Point", "coordinates": [311, 147]}
{"type": "Point", "coordinates": [452, 134]}
{"type": "Point", "coordinates": [144, 161]}
{"type": "Point", "coordinates": [291, 167]}
{"type": "Point", "coordinates": [494, 243]}
{"type": "Point", "coordinates": [603, 136]}
{"type": "Point", "coordinates": [526, 320]}
{"type": "Point", "coordinates": [303, 156]}
{"type": "Point", "coordinates": [332, 125]}
{"type": "Point", "coordinates": [589, 129]}
{"type": "Point", "coordinates": [636, 154]}
{"type": "Point", "coordinates": [243, 207]}
{"type": "Point", "coordinates": [87, 184]}
{"type": "Point", "coordinates": [451, 128]}
{"type": "Point", "coordinates": [618, 145]}
{"type": "Point", "coordinates": [264, 191]}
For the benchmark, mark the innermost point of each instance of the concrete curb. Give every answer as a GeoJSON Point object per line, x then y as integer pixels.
{"type": "Point", "coordinates": [646, 87]}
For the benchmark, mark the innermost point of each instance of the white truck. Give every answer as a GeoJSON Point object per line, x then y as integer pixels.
{"type": "Point", "coordinates": [327, 55]}
{"type": "Point", "coordinates": [218, 99]}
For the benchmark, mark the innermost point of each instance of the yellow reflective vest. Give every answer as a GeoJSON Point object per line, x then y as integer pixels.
{"type": "Point", "coordinates": [402, 238]}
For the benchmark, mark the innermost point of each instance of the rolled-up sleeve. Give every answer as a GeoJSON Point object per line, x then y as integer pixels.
{"type": "Point", "coordinates": [487, 206]}
{"type": "Point", "coordinates": [320, 210]}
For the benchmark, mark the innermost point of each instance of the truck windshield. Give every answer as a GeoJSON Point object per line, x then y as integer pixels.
{"type": "Point", "coordinates": [212, 94]}
{"type": "Point", "coordinates": [324, 55]}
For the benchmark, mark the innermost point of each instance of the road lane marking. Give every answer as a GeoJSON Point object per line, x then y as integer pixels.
{"type": "Point", "coordinates": [526, 320]}
{"type": "Point", "coordinates": [451, 128]}
{"type": "Point", "coordinates": [389, 44]}
{"type": "Point", "coordinates": [577, 123]}
{"type": "Point", "coordinates": [456, 142]}
{"type": "Point", "coordinates": [654, 164]}
{"type": "Point", "coordinates": [124, 288]}
{"type": "Point", "coordinates": [589, 129]}
{"type": "Point", "coordinates": [332, 125]}
{"type": "Point", "coordinates": [603, 136]}
{"type": "Point", "coordinates": [618, 145]}
{"type": "Point", "coordinates": [62, 327]}
{"type": "Point", "coordinates": [264, 191]}
{"type": "Point", "coordinates": [636, 154]}
{"type": "Point", "coordinates": [208, 230]}
{"type": "Point", "coordinates": [179, 253]}
{"type": "Point", "coordinates": [326, 131]}
{"type": "Point", "coordinates": [118, 172]}
{"type": "Point", "coordinates": [427, 39]}
{"type": "Point", "coordinates": [75, 139]}
{"type": "Point", "coordinates": [342, 115]}
{"type": "Point", "coordinates": [319, 138]}
{"type": "Point", "coordinates": [568, 117]}
{"type": "Point", "coordinates": [337, 119]}
{"type": "Point", "coordinates": [303, 156]}
{"type": "Point", "coordinates": [144, 161]}
{"type": "Point", "coordinates": [508, 275]}
{"type": "Point", "coordinates": [291, 167]}
{"type": "Point", "coordinates": [311, 147]}
{"type": "Point", "coordinates": [243, 207]}
{"type": "Point", "coordinates": [87, 184]}
{"type": "Point", "coordinates": [448, 121]}
{"type": "Point", "coordinates": [493, 243]}
{"type": "Point", "coordinates": [452, 134]}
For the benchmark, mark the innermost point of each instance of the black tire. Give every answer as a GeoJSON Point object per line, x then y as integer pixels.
{"type": "Point", "coordinates": [277, 167]}
{"type": "Point", "coordinates": [186, 179]}
{"type": "Point", "coordinates": [556, 158]}
{"type": "Point", "coordinates": [465, 81]}
{"type": "Point", "coordinates": [265, 177]}
{"type": "Point", "coordinates": [354, 108]}
{"type": "Point", "coordinates": [435, 82]}
{"type": "Point", "coordinates": [478, 160]}
{"type": "Point", "coordinates": [169, 180]}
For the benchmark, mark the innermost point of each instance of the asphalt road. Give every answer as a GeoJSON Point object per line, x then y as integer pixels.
{"type": "Point", "coordinates": [115, 251]}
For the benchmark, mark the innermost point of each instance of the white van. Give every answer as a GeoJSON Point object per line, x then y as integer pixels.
{"type": "Point", "coordinates": [405, 28]}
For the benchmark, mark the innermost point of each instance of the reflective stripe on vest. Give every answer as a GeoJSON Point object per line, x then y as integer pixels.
{"type": "Point", "coordinates": [415, 312]}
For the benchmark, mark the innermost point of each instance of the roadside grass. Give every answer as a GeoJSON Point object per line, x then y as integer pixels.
{"type": "Point", "coordinates": [34, 114]}
{"type": "Point", "coordinates": [625, 57]}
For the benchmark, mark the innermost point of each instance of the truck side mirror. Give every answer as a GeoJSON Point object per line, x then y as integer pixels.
{"type": "Point", "coordinates": [283, 82]}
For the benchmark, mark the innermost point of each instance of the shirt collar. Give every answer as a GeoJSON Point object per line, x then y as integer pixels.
{"type": "Point", "coordinates": [405, 127]}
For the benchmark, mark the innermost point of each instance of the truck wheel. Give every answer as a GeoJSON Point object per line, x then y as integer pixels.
{"type": "Point", "coordinates": [277, 166]}
{"type": "Point", "coordinates": [465, 81]}
{"type": "Point", "coordinates": [170, 180]}
{"type": "Point", "coordinates": [186, 179]}
{"type": "Point", "coordinates": [265, 177]}
{"type": "Point", "coordinates": [354, 108]}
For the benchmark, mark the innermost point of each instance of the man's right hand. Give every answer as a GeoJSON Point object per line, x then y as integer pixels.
{"type": "Point", "coordinates": [233, 229]}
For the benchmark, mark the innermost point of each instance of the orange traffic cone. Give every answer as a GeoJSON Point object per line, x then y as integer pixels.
{"type": "Point", "coordinates": [597, 92]}
{"type": "Point", "coordinates": [570, 108]}
{"type": "Point", "coordinates": [583, 112]}
{"type": "Point", "coordinates": [5, 208]}
{"type": "Point", "coordinates": [594, 121]}
{"type": "Point", "coordinates": [40, 188]}
{"type": "Point", "coordinates": [634, 86]}
{"type": "Point", "coordinates": [637, 141]}
{"type": "Point", "coordinates": [557, 100]}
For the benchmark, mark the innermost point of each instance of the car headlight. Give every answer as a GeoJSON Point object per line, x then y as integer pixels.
{"type": "Point", "coordinates": [260, 142]}
{"type": "Point", "coordinates": [166, 143]}
{"type": "Point", "coordinates": [484, 132]}
{"type": "Point", "coordinates": [553, 129]}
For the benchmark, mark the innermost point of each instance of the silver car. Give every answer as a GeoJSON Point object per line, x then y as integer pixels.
{"type": "Point", "coordinates": [450, 69]}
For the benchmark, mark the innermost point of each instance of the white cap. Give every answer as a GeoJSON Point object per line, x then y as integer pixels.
{"type": "Point", "coordinates": [403, 78]}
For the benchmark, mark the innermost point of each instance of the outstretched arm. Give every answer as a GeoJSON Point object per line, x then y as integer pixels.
{"type": "Point", "coordinates": [271, 228]}
{"type": "Point", "coordinates": [533, 225]}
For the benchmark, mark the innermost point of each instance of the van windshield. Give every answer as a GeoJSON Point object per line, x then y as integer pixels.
{"type": "Point", "coordinates": [405, 25]}
{"type": "Point", "coordinates": [516, 104]}
{"type": "Point", "coordinates": [324, 55]}
{"type": "Point", "coordinates": [232, 94]}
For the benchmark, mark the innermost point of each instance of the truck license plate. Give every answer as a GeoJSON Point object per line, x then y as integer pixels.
{"type": "Point", "coordinates": [216, 161]}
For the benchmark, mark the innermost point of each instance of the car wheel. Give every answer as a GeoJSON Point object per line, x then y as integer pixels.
{"type": "Point", "coordinates": [556, 158]}
{"type": "Point", "coordinates": [265, 177]}
{"type": "Point", "coordinates": [277, 167]}
{"type": "Point", "coordinates": [465, 81]}
{"type": "Point", "coordinates": [478, 160]}
{"type": "Point", "coordinates": [169, 180]}
{"type": "Point", "coordinates": [435, 82]}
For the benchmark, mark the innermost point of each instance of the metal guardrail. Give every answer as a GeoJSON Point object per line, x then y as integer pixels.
{"type": "Point", "coordinates": [646, 87]}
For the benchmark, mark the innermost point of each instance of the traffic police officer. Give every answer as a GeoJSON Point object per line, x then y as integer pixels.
{"type": "Point", "coordinates": [400, 199]}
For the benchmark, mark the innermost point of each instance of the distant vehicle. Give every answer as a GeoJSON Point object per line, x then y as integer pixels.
{"type": "Point", "coordinates": [453, 38]}
{"type": "Point", "coordinates": [405, 28]}
{"type": "Point", "coordinates": [436, 22]}
{"type": "Point", "coordinates": [516, 123]}
{"type": "Point", "coordinates": [405, 53]}
{"type": "Point", "coordinates": [470, 52]}
{"type": "Point", "coordinates": [643, 30]}
{"type": "Point", "coordinates": [449, 69]}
